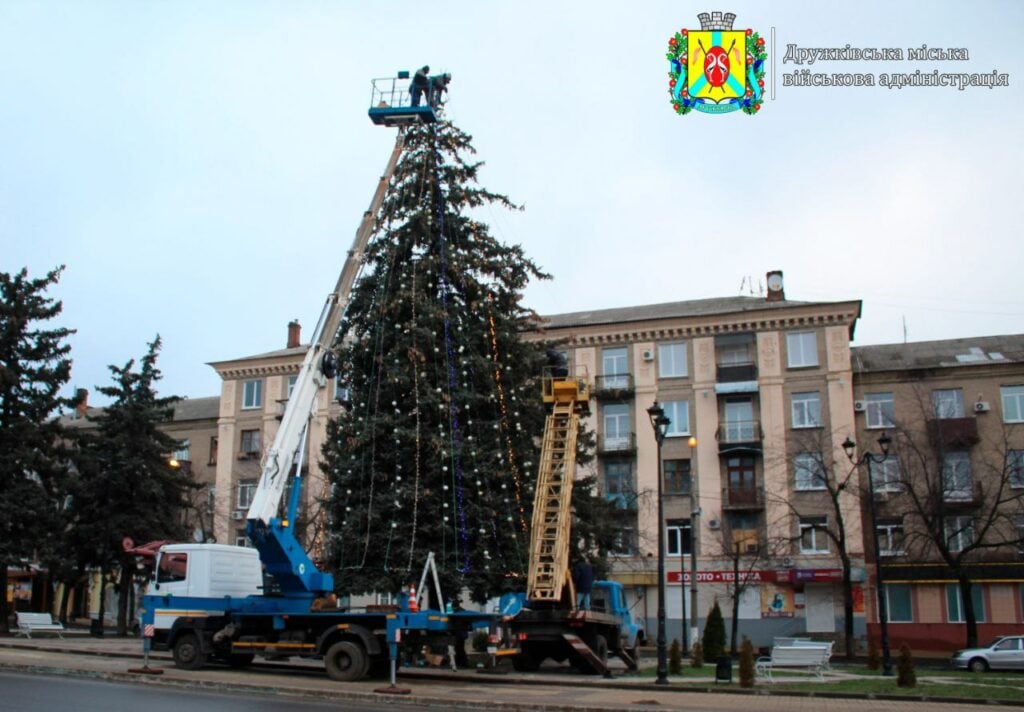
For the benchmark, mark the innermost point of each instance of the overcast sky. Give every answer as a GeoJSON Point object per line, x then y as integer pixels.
{"type": "Point", "coordinates": [201, 167]}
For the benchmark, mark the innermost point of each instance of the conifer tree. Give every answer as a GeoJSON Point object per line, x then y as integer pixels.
{"type": "Point", "coordinates": [714, 634]}
{"type": "Point", "coordinates": [34, 366]}
{"type": "Point", "coordinates": [438, 449]}
{"type": "Point", "coordinates": [128, 486]}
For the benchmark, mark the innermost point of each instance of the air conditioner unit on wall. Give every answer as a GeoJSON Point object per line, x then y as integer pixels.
{"type": "Point", "coordinates": [714, 524]}
{"type": "Point", "coordinates": [648, 354]}
{"type": "Point", "coordinates": [859, 406]}
{"type": "Point", "coordinates": [982, 407]}
{"type": "Point", "coordinates": [238, 515]}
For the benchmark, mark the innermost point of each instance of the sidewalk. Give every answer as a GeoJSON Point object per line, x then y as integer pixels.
{"type": "Point", "coordinates": [110, 658]}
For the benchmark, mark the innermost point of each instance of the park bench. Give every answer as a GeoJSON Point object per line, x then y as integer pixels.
{"type": "Point", "coordinates": [806, 643]}
{"type": "Point", "coordinates": [29, 623]}
{"type": "Point", "coordinates": [810, 657]}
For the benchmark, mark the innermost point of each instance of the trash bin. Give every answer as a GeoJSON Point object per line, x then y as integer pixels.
{"type": "Point", "coordinates": [723, 669]}
{"type": "Point", "coordinates": [96, 628]}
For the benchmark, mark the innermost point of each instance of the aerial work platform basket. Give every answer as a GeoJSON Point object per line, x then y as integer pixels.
{"type": "Point", "coordinates": [391, 103]}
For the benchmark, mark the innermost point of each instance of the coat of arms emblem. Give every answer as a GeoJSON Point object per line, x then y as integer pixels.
{"type": "Point", "coordinates": [716, 69]}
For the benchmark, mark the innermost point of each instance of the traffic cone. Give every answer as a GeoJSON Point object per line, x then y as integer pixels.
{"type": "Point", "coordinates": [414, 607]}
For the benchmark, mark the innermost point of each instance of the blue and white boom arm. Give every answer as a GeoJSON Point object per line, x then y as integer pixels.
{"type": "Point", "coordinates": [272, 536]}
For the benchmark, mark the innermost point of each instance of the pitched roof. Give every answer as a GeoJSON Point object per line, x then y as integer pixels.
{"type": "Point", "coordinates": [293, 351]}
{"type": "Point", "coordinates": [197, 408]}
{"type": "Point", "coordinates": [948, 353]}
{"type": "Point", "coordinates": [669, 310]}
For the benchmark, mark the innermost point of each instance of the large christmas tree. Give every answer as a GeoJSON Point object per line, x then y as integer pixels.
{"type": "Point", "coordinates": [437, 450]}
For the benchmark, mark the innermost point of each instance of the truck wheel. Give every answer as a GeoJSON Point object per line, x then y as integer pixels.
{"type": "Point", "coordinates": [600, 648]}
{"type": "Point", "coordinates": [188, 653]}
{"type": "Point", "coordinates": [346, 661]}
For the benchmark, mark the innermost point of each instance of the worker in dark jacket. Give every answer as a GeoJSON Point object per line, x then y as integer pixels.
{"type": "Point", "coordinates": [583, 579]}
{"type": "Point", "coordinates": [420, 84]}
{"type": "Point", "coordinates": [438, 85]}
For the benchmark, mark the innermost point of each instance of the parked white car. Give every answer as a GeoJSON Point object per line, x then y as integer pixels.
{"type": "Point", "coordinates": [1006, 653]}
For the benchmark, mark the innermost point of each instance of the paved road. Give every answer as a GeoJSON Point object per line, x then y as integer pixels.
{"type": "Point", "coordinates": [110, 659]}
{"type": "Point", "coordinates": [45, 693]}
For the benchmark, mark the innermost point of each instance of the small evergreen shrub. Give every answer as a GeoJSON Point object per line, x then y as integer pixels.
{"type": "Point", "coordinates": [906, 676]}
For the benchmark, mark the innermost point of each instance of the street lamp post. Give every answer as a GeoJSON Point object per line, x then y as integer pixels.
{"type": "Point", "coordinates": [660, 423]}
{"type": "Point", "coordinates": [849, 446]}
{"type": "Point", "coordinates": [694, 539]}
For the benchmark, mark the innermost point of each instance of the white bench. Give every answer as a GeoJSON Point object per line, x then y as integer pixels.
{"type": "Point", "coordinates": [813, 658]}
{"type": "Point", "coordinates": [806, 643]}
{"type": "Point", "coordinates": [29, 623]}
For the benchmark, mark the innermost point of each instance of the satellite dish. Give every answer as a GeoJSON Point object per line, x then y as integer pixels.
{"type": "Point", "coordinates": [198, 535]}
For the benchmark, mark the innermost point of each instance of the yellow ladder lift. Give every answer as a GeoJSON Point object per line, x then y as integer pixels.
{"type": "Point", "coordinates": [549, 579]}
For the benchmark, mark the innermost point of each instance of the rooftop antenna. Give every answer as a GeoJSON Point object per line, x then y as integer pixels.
{"type": "Point", "coordinates": [904, 328]}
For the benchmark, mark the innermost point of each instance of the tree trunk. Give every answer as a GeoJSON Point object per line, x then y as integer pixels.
{"type": "Point", "coordinates": [103, 596]}
{"type": "Point", "coordinates": [967, 601]}
{"type": "Point", "coordinates": [736, 591]}
{"type": "Point", "coordinates": [5, 627]}
{"type": "Point", "coordinates": [65, 596]}
{"type": "Point", "coordinates": [848, 609]}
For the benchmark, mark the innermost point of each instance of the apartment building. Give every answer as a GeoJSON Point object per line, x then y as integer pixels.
{"type": "Point", "coordinates": [765, 385]}
{"type": "Point", "coordinates": [954, 410]}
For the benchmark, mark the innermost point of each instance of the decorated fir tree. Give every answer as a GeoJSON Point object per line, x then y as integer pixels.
{"type": "Point", "coordinates": [437, 449]}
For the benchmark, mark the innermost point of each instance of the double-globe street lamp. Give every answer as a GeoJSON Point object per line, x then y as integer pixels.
{"type": "Point", "coordinates": [884, 441]}
{"type": "Point", "coordinates": [660, 423]}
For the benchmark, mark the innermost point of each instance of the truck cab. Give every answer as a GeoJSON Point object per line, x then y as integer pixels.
{"type": "Point", "coordinates": [206, 571]}
{"type": "Point", "coordinates": [609, 597]}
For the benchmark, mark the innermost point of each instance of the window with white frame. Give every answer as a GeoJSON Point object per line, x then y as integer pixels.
{"type": "Point", "coordinates": [955, 603]}
{"type": "Point", "coordinates": [615, 368]}
{"type": "Point", "coordinates": [1015, 468]}
{"type": "Point", "coordinates": [292, 379]}
{"type": "Point", "coordinates": [880, 410]}
{"type": "Point", "coordinates": [734, 353]}
{"type": "Point", "coordinates": [808, 472]}
{"type": "Point", "coordinates": [959, 533]}
{"type": "Point", "coordinates": [672, 360]}
{"type": "Point", "coordinates": [677, 537]}
{"type": "Point", "coordinates": [616, 427]}
{"type": "Point", "coordinates": [246, 491]}
{"type": "Point", "coordinates": [806, 410]}
{"type": "Point", "coordinates": [956, 476]}
{"type": "Point", "coordinates": [184, 450]}
{"type": "Point", "coordinates": [678, 413]}
{"type": "Point", "coordinates": [802, 349]}
{"type": "Point", "coordinates": [813, 539]}
{"type": "Point", "coordinates": [899, 602]}
{"type": "Point", "coordinates": [948, 403]}
{"type": "Point", "coordinates": [885, 474]}
{"type": "Point", "coordinates": [890, 538]}
{"type": "Point", "coordinates": [1013, 403]}
{"type": "Point", "coordinates": [252, 394]}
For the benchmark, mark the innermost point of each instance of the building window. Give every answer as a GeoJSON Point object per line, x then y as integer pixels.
{"type": "Point", "coordinates": [616, 427]}
{"type": "Point", "coordinates": [292, 380]}
{"type": "Point", "coordinates": [948, 403]}
{"type": "Point", "coordinates": [954, 603]}
{"type": "Point", "coordinates": [1013, 403]}
{"type": "Point", "coordinates": [624, 542]}
{"type": "Point", "coordinates": [678, 413]}
{"type": "Point", "coordinates": [734, 353]}
{"type": "Point", "coordinates": [677, 537]}
{"type": "Point", "coordinates": [813, 539]}
{"type": "Point", "coordinates": [241, 539]}
{"type": "Point", "coordinates": [802, 349]}
{"type": "Point", "coordinates": [672, 360]}
{"type": "Point", "coordinates": [739, 421]}
{"type": "Point", "coordinates": [183, 451]}
{"type": "Point", "coordinates": [959, 533]}
{"type": "Point", "coordinates": [956, 477]}
{"type": "Point", "coordinates": [677, 476]}
{"type": "Point", "coordinates": [618, 484]}
{"type": "Point", "coordinates": [246, 491]}
{"type": "Point", "coordinates": [252, 394]}
{"type": "Point", "coordinates": [881, 410]}
{"type": "Point", "coordinates": [890, 538]}
{"type": "Point", "coordinates": [615, 368]}
{"type": "Point", "coordinates": [1015, 468]}
{"type": "Point", "coordinates": [250, 442]}
{"type": "Point", "coordinates": [213, 450]}
{"type": "Point", "coordinates": [898, 598]}
{"type": "Point", "coordinates": [173, 567]}
{"type": "Point", "coordinates": [885, 475]}
{"type": "Point", "coordinates": [806, 409]}
{"type": "Point", "coordinates": [808, 471]}
{"type": "Point", "coordinates": [386, 599]}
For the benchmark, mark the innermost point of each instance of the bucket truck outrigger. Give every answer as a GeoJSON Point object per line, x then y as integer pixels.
{"type": "Point", "coordinates": [209, 601]}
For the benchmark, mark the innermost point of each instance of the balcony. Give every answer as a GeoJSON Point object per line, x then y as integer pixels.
{"type": "Point", "coordinates": [965, 496]}
{"type": "Point", "coordinates": [743, 499]}
{"type": "Point", "coordinates": [738, 435]}
{"type": "Point", "coordinates": [733, 373]}
{"type": "Point", "coordinates": [616, 444]}
{"type": "Point", "coordinates": [953, 432]}
{"type": "Point", "coordinates": [617, 386]}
